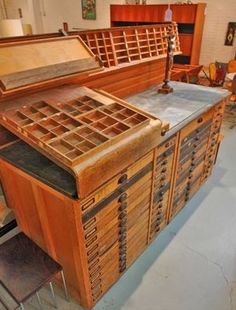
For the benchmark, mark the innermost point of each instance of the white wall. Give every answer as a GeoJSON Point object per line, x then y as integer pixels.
{"type": "Point", "coordinates": [59, 11]}
{"type": "Point", "coordinates": [219, 13]}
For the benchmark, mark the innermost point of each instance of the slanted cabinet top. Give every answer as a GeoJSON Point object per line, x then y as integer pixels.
{"type": "Point", "coordinates": [27, 64]}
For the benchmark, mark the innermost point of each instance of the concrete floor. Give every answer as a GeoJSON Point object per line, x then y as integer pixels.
{"type": "Point", "coordinates": [192, 264]}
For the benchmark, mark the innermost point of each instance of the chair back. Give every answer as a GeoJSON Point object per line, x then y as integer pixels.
{"type": "Point", "coordinates": [232, 66]}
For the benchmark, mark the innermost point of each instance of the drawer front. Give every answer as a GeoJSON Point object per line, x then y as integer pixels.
{"type": "Point", "coordinates": [162, 185]}
{"type": "Point", "coordinates": [167, 145]}
{"type": "Point", "coordinates": [194, 140]}
{"type": "Point", "coordinates": [117, 182]}
{"type": "Point", "coordinates": [198, 123]}
{"type": "Point", "coordinates": [214, 141]}
{"type": "Point", "coordinates": [117, 219]}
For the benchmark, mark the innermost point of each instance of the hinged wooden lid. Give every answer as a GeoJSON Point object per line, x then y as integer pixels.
{"type": "Point", "coordinates": [36, 64]}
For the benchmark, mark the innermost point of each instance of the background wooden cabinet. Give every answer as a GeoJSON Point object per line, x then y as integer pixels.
{"type": "Point", "coordinates": [190, 19]}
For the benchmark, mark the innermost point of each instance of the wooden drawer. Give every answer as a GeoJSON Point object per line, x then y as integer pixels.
{"type": "Point", "coordinates": [119, 196]}
{"type": "Point", "coordinates": [195, 124]}
{"type": "Point", "coordinates": [169, 144]}
{"type": "Point", "coordinates": [103, 234]}
{"type": "Point", "coordinates": [112, 210]}
{"type": "Point", "coordinates": [116, 182]}
{"type": "Point", "coordinates": [196, 135]}
{"type": "Point", "coordinates": [192, 162]}
{"type": "Point", "coordinates": [107, 259]}
{"type": "Point", "coordinates": [194, 145]}
{"type": "Point", "coordinates": [219, 108]}
{"type": "Point", "coordinates": [195, 186]}
{"type": "Point", "coordinates": [164, 163]}
{"type": "Point", "coordinates": [141, 225]}
{"type": "Point", "coordinates": [136, 250]}
{"type": "Point", "coordinates": [140, 164]}
{"type": "Point", "coordinates": [136, 214]}
{"type": "Point", "coordinates": [155, 232]}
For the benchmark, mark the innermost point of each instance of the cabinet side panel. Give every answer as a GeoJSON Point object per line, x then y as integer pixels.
{"type": "Point", "coordinates": [48, 218]}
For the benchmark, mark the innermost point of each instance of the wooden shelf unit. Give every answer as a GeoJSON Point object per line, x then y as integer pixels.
{"type": "Point", "coordinates": [189, 17]}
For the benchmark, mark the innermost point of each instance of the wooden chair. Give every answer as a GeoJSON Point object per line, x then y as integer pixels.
{"type": "Point", "coordinates": [186, 73]}
{"type": "Point", "coordinates": [24, 270]}
{"type": "Point", "coordinates": [230, 79]}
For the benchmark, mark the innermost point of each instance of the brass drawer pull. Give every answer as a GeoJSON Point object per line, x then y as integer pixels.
{"type": "Point", "coordinates": [123, 243]}
{"type": "Point", "coordinates": [122, 238]}
{"type": "Point", "coordinates": [122, 214]}
{"type": "Point", "coordinates": [122, 256]}
{"type": "Point", "coordinates": [164, 162]}
{"type": "Point", "coordinates": [123, 230]}
{"type": "Point", "coordinates": [123, 197]}
{"type": "Point", "coordinates": [123, 179]}
{"type": "Point", "coordinates": [123, 221]}
{"type": "Point", "coordinates": [123, 206]}
{"type": "Point", "coordinates": [122, 269]}
{"type": "Point", "coordinates": [123, 247]}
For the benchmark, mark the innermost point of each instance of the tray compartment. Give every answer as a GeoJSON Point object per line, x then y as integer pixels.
{"type": "Point", "coordinates": [74, 154]}
{"type": "Point", "coordinates": [97, 138]}
{"type": "Point", "coordinates": [112, 132]}
{"type": "Point", "coordinates": [71, 124]}
{"type": "Point", "coordinates": [60, 130]}
{"type": "Point", "coordinates": [85, 146]}
{"type": "Point", "coordinates": [61, 146]}
{"type": "Point", "coordinates": [73, 139]}
{"type": "Point", "coordinates": [60, 117]}
{"type": "Point", "coordinates": [49, 124]}
{"type": "Point", "coordinates": [36, 131]}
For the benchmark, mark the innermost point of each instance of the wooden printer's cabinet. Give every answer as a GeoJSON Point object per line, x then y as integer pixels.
{"type": "Point", "coordinates": [91, 178]}
{"type": "Point", "coordinates": [98, 237]}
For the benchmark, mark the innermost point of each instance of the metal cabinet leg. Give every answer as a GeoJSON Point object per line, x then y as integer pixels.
{"type": "Point", "coordinates": [53, 295]}
{"type": "Point", "coordinates": [65, 287]}
{"type": "Point", "coordinates": [39, 301]}
{"type": "Point", "coordinates": [22, 306]}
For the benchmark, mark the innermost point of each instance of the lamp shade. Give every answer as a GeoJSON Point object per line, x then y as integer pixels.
{"type": "Point", "coordinates": [27, 29]}
{"type": "Point", "coordinates": [11, 28]}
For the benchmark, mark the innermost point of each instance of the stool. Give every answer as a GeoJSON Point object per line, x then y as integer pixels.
{"type": "Point", "coordinates": [24, 269]}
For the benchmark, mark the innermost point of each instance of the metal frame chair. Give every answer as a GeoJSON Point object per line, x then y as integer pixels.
{"type": "Point", "coordinates": [24, 269]}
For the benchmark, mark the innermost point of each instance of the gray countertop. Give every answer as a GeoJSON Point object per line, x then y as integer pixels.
{"type": "Point", "coordinates": [186, 103]}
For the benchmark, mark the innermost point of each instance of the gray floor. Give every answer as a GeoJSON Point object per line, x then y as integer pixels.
{"type": "Point", "coordinates": [192, 264]}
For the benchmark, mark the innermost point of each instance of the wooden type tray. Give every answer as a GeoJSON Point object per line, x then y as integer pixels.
{"type": "Point", "coordinates": [118, 46]}
{"type": "Point", "coordinates": [73, 124]}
